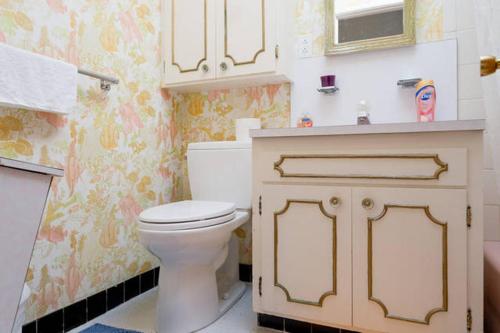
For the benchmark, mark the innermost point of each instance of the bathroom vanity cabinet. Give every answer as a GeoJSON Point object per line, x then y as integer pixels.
{"type": "Point", "coordinates": [223, 43]}
{"type": "Point", "coordinates": [373, 229]}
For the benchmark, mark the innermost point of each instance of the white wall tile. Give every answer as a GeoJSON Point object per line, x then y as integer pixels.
{"type": "Point", "coordinates": [490, 186]}
{"type": "Point", "coordinates": [488, 153]}
{"type": "Point", "coordinates": [465, 14]}
{"type": "Point", "coordinates": [372, 76]}
{"type": "Point", "coordinates": [492, 223]}
{"type": "Point", "coordinates": [467, 47]}
{"type": "Point", "coordinates": [469, 82]}
{"type": "Point", "coordinates": [471, 109]}
{"type": "Point", "coordinates": [450, 35]}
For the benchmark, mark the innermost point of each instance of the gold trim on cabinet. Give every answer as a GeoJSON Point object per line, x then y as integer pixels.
{"type": "Point", "coordinates": [444, 226]}
{"type": "Point", "coordinates": [205, 57]}
{"type": "Point", "coordinates": [289, 298]}
{"type": "Point", "coordinates": [262, 49]}
{"type": "Point", "coordinates": [407, 38]}
{"type": "Point", "coordinates": [443, 167]}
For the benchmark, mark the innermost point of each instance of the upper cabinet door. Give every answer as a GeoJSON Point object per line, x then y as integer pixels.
{"type": "Point", "coordinates": [246, 37]}
{"type": "Point", "coordinates": [410, 260]}
{"type": "Point", "coordinates": [189, 40]}
{"type": "Point", "coordinates": [305, 240]}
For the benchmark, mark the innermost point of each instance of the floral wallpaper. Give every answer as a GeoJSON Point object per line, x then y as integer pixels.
{"type": "Point", "coordinates": [119, 150]}
{"type": "Point", "coordinates": [123, 150]}
{"type": "Point", "coordinates": [210, 116]}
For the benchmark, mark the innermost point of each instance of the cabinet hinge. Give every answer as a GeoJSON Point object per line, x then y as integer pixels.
{"type": "Point", "coordinates": [260, 205]}
{"type": "Point", "coordinates": [469, 320]}
{"type": "Point", "coordinates": [277, 51]}
{"type": "Point", "coordinates": [260, 286]}
{"type": "Point", "coordinates": [469, 216]}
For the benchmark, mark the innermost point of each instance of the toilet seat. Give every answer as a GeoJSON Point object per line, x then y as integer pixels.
{"type": "Point", "coordinates": [186, 215]}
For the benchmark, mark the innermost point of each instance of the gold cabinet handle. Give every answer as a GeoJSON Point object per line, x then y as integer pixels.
{"type": "Point", "coordinates": [367, 203]}
{"type": "Point", "coordinates": [335, 202]}
{"type": "Point", "coordinates": [205, 68]}
{"type": "Point", "coordinates": [489, 65]}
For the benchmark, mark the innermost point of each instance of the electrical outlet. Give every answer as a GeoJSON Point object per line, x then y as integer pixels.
{"type": "Point", "coordinates": [304, 46]}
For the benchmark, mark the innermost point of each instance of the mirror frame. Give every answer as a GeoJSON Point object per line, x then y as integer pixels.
{"type": "Point", "coordinates": [407, 38]}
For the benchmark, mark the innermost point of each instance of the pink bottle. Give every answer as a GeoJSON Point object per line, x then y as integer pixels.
{"type": "Point", "coordinates": [426, 101]}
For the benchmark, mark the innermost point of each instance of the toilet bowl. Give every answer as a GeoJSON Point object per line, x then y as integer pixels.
{"type": "Point", "coordinates": [191, 238]}
{"type": "Point", "coordinates": [191, 249]}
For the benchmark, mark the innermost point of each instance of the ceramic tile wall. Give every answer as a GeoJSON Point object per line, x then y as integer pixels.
{"type": "Point", "coordinates": [472, 23]}
{"type": "Point", "coordinates": [460, 25]}
{"type": "Point", "coordinates": [487, 23]}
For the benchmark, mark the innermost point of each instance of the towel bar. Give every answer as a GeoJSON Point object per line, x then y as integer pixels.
{"type": "Point", "coordinates": [106, 81]}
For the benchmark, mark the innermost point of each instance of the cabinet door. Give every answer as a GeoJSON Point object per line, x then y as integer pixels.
{"type": "Point", "coordinates": [306, 253]}
{"type": "Point", "coordinates": [189, 40]}
{"type": "Point", "coordinates": [410, 260]}
{"type": "Point", "coordinates": [246, 37]}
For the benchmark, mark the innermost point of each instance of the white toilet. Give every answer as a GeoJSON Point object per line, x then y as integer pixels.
{"type": "Point", "coordinates": [191, 238]}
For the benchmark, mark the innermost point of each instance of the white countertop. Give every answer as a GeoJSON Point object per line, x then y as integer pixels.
{"type": "Point", "coordinates": [438, 126]}
{"type": "Point", "coordinates": [30, 167]}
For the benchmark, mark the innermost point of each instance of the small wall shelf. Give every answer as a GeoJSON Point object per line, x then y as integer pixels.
{"type": "Point", "coordinates": [328, 90]}
{"type": "Point", "coordinates": [409, 83]}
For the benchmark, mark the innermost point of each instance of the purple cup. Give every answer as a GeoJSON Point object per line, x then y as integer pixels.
{"type": "Point", "coordinates": [328, 81]}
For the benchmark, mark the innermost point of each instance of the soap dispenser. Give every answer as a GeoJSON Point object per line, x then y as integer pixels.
{"type": "Point", "coordinates": [363, 114]}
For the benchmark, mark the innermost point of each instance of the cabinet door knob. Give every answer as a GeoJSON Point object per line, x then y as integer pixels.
{"type": "Point", "coordinates": [367, 203]}
{"type": "Point", "coordinates": [223, 66]}
{"type": "Point", "coordinates": [205, 68]}
{"type": "Point", "coordinates": [335, 202]}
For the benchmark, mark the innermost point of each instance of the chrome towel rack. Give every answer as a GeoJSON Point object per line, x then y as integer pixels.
{"type": "Point", "coordinates": [106, 81]}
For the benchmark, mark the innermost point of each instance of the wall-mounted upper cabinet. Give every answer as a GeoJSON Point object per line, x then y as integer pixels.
{"type": "Point", "coordinates": [189, 51]}
{"type": "Point", "coordinates": [226, 43]}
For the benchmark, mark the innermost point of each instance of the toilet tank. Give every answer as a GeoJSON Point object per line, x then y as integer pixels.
{"type": "Point", "coordinates": [221, 171]}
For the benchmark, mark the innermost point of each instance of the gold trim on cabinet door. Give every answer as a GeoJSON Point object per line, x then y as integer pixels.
{"type": "Point", "coordinates": [443, 167]}
{"type": "Point", "coordinates": [205, 57]}
{"type": "Point", "coordinates": [262, 49]}
{"type": "Point", "coordinates": [289, 298]}
{"type": "Point", "coordinates": [444, 226]}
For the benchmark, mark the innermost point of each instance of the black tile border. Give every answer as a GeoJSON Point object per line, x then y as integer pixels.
{"type": "Point", "coordinates": [245, 273]}
{"type": "Point", "coordinates": [79, 313]}
{"type": "Point", "coordinates": [51, 323]}
{"type": "Point", "coordinates": [273, 322]}
{"type": "Point", "coordinates": [98, 304]}
{"type": "Point", "coordinates": [75, 315]}
{"type": "Point", "coordinates": [294, 326]}
{"type": "Point", "coordinates": [132, 288]}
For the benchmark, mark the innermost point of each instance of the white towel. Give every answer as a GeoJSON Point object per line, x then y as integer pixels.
{"type": "Point", "coordinates": [34, 82]}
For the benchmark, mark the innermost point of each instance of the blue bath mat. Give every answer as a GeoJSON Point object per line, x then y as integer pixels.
{"type": "Point", "coordinates": [98, 328]}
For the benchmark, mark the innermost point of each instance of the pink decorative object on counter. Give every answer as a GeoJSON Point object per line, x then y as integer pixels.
{"type": "Point", "coordinates": [426, 101]}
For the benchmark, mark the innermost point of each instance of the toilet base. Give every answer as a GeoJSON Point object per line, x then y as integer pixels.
{"type": "Point", "coordinates": [234, 295]}
{"type": "Point", "coordinates": [188, 300]}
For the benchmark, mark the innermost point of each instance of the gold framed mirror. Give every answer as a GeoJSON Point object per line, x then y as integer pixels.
{"type": "Point", "coordinates": [363, 25]}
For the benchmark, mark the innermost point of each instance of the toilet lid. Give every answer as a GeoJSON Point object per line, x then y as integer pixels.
{"type": "Point", "coordinates": [188, 212]}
